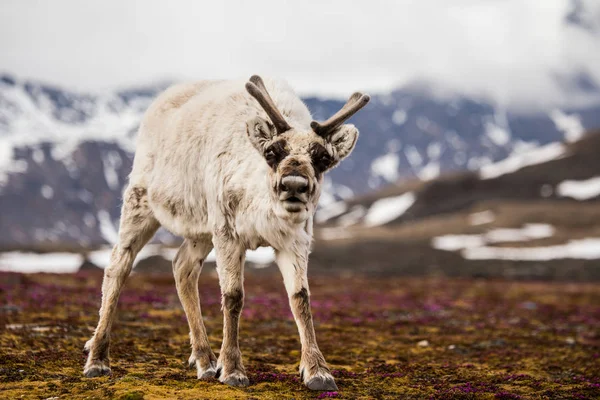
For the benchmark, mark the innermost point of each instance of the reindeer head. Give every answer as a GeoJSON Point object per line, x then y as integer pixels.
{"type": "Point", "coordinates": [299, 158]}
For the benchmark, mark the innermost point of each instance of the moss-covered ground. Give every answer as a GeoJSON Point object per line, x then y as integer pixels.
{"type": "Point", "coordinates": [421, 338]}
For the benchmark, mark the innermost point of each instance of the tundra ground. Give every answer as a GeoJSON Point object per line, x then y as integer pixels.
{"type": "Point", "coordinates": [383, 338]}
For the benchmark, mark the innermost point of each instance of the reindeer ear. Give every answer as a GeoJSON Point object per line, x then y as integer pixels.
{"type": "Point", "coordinates": [260, 132]}
{"type": "Point", "coordinates": [343, 140]}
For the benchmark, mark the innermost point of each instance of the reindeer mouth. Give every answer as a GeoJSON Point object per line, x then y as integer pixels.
{"type": "Point", "coordinates": [293, 204]}
{"type": "Point", "coordinates": [293, 192]}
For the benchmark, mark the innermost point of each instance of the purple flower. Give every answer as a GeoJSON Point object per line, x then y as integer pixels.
{"type": "Point", "coordinates": [327, 395]}
{"type": "Point", "coordinates": [507, 396]}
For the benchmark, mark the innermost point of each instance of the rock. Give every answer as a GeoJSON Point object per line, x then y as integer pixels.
{"type": "Point", "coordinates": [9, 308]}
{"type": "Point", "coordinates": [487, 344]}
{"type": "Point", "coordinates": [87, 265]}
{"type": "Point", "coordinates": [570, 341]}
{"type": "Point", "coordinates": [529, 305]}
{"type": "Point", "coordinates": [423, 343]}
{"type": "Point", "coordinates": [154, 265]}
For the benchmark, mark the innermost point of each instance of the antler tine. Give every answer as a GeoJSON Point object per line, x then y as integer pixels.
{"type": "Point", "coordinates": [354, 103]}
{"type": "Point", "coordinates": [256, 88]}
{"type": "Point", "coordinates": [257, 80]}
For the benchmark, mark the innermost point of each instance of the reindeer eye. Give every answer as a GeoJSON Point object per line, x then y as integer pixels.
{"type": "Point", "coordinates": [320, 158]}
{"type": "Point", "coordinates": [275, 153]}
{"type": "Point", "coordinates": [324, 162]}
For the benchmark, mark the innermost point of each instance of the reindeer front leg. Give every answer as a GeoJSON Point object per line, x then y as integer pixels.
{"type": "Point", "coordinates": [314, 371]}
{"type": "Point", "coordinates": [230, 267]}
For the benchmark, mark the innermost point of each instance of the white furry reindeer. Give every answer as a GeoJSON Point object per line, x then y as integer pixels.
{"type": "Point", "coordinates": [234, 169]}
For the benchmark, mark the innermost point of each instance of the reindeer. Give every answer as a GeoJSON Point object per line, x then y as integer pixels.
{"type": "Point", "coordinates": [229, 169]}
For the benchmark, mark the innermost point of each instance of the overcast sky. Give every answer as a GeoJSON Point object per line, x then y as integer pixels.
{"type": "Point", "coordinates": [511, 49]}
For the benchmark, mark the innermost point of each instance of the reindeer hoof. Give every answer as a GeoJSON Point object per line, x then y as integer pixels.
{"type": "Point", "coordinates": [208, 372]}
{"type": "Point", "coordinates": [96, 368]}
{"type": "Point", "coordinates": [323, 383]}
{"type": "Point", "coordinates": [236, 379]}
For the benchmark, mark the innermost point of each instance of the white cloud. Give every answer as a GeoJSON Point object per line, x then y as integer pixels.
{"type": "Point", "coordinates": [512, 49]}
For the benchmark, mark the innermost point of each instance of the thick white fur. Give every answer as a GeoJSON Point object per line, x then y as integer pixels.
{"type": "Point", "coordinates": [199, 172]}
{"type": "Point", "coordinates": [177, 157]}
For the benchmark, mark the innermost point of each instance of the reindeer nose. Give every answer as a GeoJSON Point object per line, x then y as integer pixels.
{"type": "Point", "coordinates": [294, 184]}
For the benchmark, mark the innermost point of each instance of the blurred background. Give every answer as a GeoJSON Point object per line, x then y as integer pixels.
{"type": "Point", "coordinates": [478, 153]}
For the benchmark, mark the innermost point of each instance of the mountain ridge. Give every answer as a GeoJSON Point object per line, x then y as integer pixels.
{"type": "Point", "coordinates": [65, 156]}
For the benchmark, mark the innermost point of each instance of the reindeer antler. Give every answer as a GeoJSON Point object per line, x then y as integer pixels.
{"type": "Point", "coordinates": [256, 88]}
{"type": "Point", "coordinates": [355, 103]}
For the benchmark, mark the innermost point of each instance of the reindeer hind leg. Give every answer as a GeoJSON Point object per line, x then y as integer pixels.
{"type": "Point", "coordinates": [137, 227]}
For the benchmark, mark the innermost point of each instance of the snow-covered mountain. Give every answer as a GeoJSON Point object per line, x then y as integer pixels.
{"type": "Point", "coordinates": [414, 133]}
{"type": "Point", "coordinates": [532, 215]}
{"type": "Point", "coordinates": [556, 172]}
{"type": "Point", "coordinates": [65, 156]}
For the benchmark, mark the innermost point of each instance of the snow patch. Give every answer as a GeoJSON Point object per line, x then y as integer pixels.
{"type": "Point", "coordinates": [7, 164]}
{"type": "Point", "coordinates": [457, 242]}
{"type": "Point", "coordinates": [526, 233]}
{"type": "Point", "coordinates": [388, 209]}
{"type": "Point", "coordinates": [330, 211]}
{"type": "Point", "coordinates": [33, 120]}
{"type": "Point", "coordinates": [586, 249]}
{"type": "Point", "coordinates": [47, 192]}
{"type": "Point", "coordinates": [38, 155]}
{"type": "Point", "coordinates": [476, 162]}
{"type": "Point", "coordinates": [413, 156]}
{"type": "Point", "coordinates": [515, 162]}
{"type": "Point", "coordinates": [112, 162]}
{"type": "Point", "coordinates": [107, 228]}
{"type": "Point", "coordinates": [343, 191]}
{"type": "Point", "coordinates": [429, 171]}
{"type": "Point", "coordinates": [520, 146]}
{"type": "Point", "coordinates": [434, 150]}
{"type": "Point", "coordinates": [569, 125]}
{"type": "Point", "coordinates": [262, 256]}
{"type": "Point", "coordinates": [333, 233]}
{"type": "Point", "coordinates": [481, 218]}
{"type": "Point", "coordinates": [327, 193]}
{"type": "Point", "coordinates": [497, 135]}
{"type": "Point", "coordinates": [386, 167]}
{"type": "Point", "coordinates": [33, 262]}
{"type": "Point", "coordinates": [352, 217]}
{"type": "Point", "coordinates": [399, 117]}
{"type": "Point", "coordinates": [101, 257]}
{"type": "Point", "coordinates": [580, 190]}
